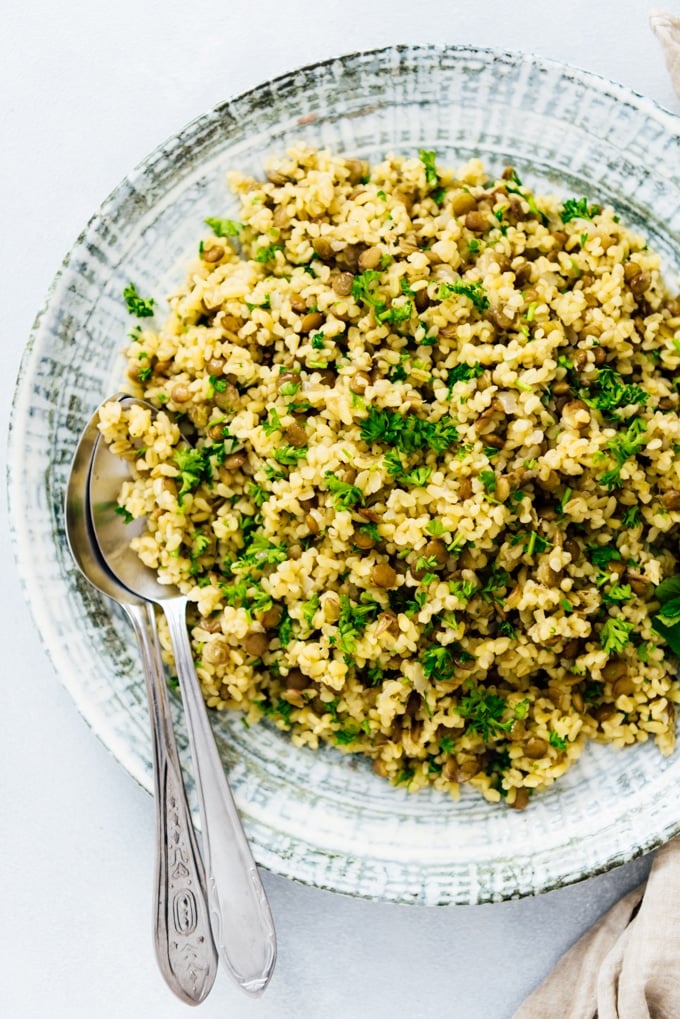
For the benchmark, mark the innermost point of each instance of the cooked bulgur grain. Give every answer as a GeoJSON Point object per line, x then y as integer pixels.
{"type": "Point", "coordinates": [434, 480]}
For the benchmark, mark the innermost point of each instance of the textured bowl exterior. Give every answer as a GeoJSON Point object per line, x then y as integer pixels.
{"type": "Point", "coordinates": [323, 818]}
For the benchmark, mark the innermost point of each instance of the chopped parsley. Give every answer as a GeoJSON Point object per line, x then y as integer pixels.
{"type": "Point", "coordinates": [364, 286]}
{"type": "Point", "coordinates": [488, 479]}
{"type": "Point", "coordinates": [194, 467]}
{"type": "Point", "coordinates": [289, 455]}
{"type": "Point", "coordinates": [474, 291]}
{"type": "Point", "coordinates": [224, 227]}
{"type": "Point", "coordinates": [484, 712]}
{"type": "Point", "coordinates": [345, 496]}
{"type": "Point", "coordinates": [125, 514]}
{"type": "Point", "coordinates": [610, 393]}
{"type": "Point", "coordinates": [618, 593]}
{"type": "Point", "coordinates": [601, 555]}
{"type": "Point", "coordinates": [463, 373]}
{"type": "Point", "coordinates": [418, 477]}
{"type": "Point", "coordinates": [142, 307]}
{"type": "Point", "coordinates": [272, 423]}
{"type": "Point", "coordinates": [631, 518]}
{"type": "Point", "coordinates": [437, 662]}
{"type": "Point", "coordinates": [622, 447]}
{"type": "Point", "coordinates": [260, 552]}
{"type": "Point", "coordinates": [578, 208]}
{"type": "Point", "coordinates": [532, 542]}
{"type": "Point", "coordinates": [267, 254]}
{"type": "Point", "coordinates": [462, 589]}
{"type": "Point", "coordinates": [667, 621]}
{"type": "Point", "coordinates": [429, 161]}
{"type": "Point", "coordinates": [407, 432]}
{"type": "Point", "coordinates": [365, 291]}
{"type": "Point", "coordinates": [353, 620]}
{"type": "Point", "coordinates": [615, 634]}
{"type": "Point", "coordinates": [557, 741]}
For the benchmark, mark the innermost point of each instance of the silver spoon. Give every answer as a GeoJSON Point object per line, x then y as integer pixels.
{"type": "Point", "coordinates": [182, 937]}
{"type": "Point", "coordinates": [242, 924]}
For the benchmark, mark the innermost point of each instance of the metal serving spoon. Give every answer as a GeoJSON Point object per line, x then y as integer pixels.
{"type": "Point", "coordinates": [242, 924]}
{"type": "Point", "coordinates": [182, 936]}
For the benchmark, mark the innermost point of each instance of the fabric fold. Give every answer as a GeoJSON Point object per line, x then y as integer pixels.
{"type": "Point", "coordinates": [627, 966]}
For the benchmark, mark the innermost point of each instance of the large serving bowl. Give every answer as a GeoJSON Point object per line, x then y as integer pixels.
{"type": "Point", "coordinates": [323, 817]}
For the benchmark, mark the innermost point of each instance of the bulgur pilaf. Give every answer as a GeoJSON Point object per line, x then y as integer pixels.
{"type": "Point", "coordinates": [433, 484]}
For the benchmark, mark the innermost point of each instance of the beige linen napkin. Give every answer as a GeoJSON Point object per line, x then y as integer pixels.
{"type": "Point", "coordinates": [666, 28]}
{"type": "Point", "coordinates": [628, 965]}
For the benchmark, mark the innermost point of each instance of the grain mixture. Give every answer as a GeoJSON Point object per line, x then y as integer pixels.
{"type": "Point", "coordinates": [433, 483]}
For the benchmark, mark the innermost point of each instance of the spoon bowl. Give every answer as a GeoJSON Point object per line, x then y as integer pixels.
{"type": "Point", "coordinates": [186, 958]}
{"type": "Point", "coordinates": [242, 924]}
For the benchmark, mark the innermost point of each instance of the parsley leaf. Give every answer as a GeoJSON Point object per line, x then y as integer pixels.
{"type": "Point", "coordinates": [483, 712]}
{"type": "Point", "coordinates": [615, 634]}
{"type": "Point", "coordinates": [353, 620]}
{"type": "Point", "coordinates": [600, 555]}
{"type": "Point", "coordinates": [429, 160]}
{"type": "Point", "coordinates": [473, 291]}
{"type": "Point", "coordinates": [623, 446]}
{"type": "Point", "coordinates": [142, 307]}
{"type": "Point", "coordinates": [557, 741]}
{"type": "Point", "coordinates": [575, 208]}
{"type": "Point", "coordinates": [289, 455]}
{"type": "Point", "coordinates": [224, 227]}
{"type": "Point", "coordinates": [407, 432]}
{"type": "Point", "coordinates": [194, 467]}
{"type": "Point", "coordinates": [416, 476]}
{"type": "Point", "coordinates": [345, 496]}
{"type": "Point", "coordinates": [611, 392]}
{"type": "Point", "coordinates": [463, 373]}
{"type": "Point", "coordinates": [437, 662]}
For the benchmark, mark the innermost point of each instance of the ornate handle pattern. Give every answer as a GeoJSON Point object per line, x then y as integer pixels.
{"type": "Point", "coordinates": [182, 933]}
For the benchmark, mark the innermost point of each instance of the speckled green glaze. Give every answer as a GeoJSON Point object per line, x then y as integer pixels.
{"type": "Point", "coordinates": [324, 818]}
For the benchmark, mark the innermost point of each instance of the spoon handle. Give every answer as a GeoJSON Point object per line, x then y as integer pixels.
{"type": "Point", "coordinates": [182, 935]}
{"type": "Point", "coordinates": [241, 920]}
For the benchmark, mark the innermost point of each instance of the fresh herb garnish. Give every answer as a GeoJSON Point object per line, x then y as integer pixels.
{"type": "Point", "coordinates": [224, 227]}
{"type": "Point", "coordinates": [557, 741]}
{"type": "Point", "coordinates": [615, 634]}
{"type": "Point", "coordinates": [289, 455]}
{"type": "Point", "coordinates": [125, 514]}
{"type": "Point", "coordinates": [407, 432]}
{"type": "Point", "coordinates": [610, 393]}
{"type": "Point", "coordinates": [267, 254]}
{"type": "Point", "coordinates": [353, 620]}
{"type": "Point", "coordinates": [418, 477]}
{"type": "Point", "coordinates": [631, 518]}
{"type": "Point", "coordinates": [429, 161]}
{"type": "Point", "coordinates": [484, 712]}
{"type": "Point", "coordinates": [194, 467]}
{"type": "Point", "coordinates": [622, 447]}
{"type": "Point", "coordinates": [345, 496]}
{"type": "Point", "coordinates": [437, 662]}
{"type": "Point", "coordinates": [473, 291]}
{"type": "Point", "coordinates": [142, 307]}
{"type": "Point", "coordinates": [463, 373]}
{"type": "Point", "coordinates": [578, 208]}
{"type": "Point", "coordinates": [667, 620]}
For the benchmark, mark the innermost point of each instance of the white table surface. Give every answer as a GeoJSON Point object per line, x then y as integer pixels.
{"type": "Point", "coordinates": [87, 90]}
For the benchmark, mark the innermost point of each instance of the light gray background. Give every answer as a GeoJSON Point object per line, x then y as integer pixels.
{"type": "Point", "coordinates": [86, 90]}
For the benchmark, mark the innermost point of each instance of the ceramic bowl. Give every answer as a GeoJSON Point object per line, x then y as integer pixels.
{"type": "Point", "coordinates": [323, 817]}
